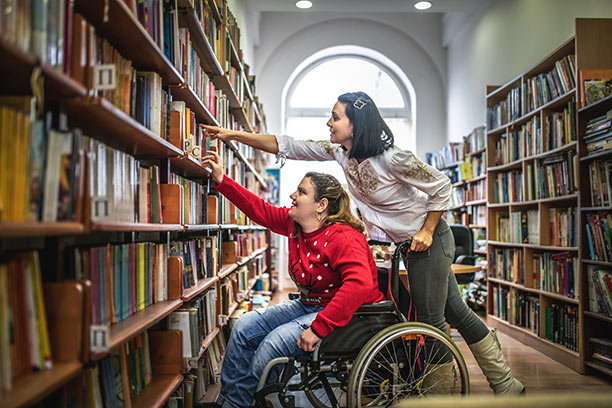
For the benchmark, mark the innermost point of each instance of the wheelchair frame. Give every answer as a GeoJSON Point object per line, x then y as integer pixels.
{"type": "Point", "coordinates": [327, 372]}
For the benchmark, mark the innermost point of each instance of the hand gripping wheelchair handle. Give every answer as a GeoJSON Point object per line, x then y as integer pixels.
{"type": "Point", "coordinates": [394, 275]}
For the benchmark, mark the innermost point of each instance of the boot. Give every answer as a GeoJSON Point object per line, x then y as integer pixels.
{"type": "Point", "coordinates": [439, 378]}
{"type": "Point", "coordinates": [493, 364]}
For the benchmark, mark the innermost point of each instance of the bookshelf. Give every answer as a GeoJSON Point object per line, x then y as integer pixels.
{"type": "Point", "coordinates": [465, 164]}
{"type": "Point", "coordinates": [596, 322]}
{"type": "Point", "coordinates": [538, 201]}
{"type": "Point", "coordinates": [82, 252]}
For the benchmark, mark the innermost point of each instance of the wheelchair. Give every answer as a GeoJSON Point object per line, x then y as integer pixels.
{"type": "Point", "coordinates": [376, 360]}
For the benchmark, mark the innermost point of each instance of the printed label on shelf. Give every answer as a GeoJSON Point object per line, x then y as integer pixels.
{"type": "Point", "coordinates": [104, 77]}
{"type": "Point", "coordinates": [99, 338]}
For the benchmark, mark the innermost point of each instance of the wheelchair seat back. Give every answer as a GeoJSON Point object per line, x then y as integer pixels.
{"type": "Point", "coordinates": [367, 321]}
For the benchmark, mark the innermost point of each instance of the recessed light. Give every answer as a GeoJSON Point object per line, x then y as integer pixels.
{"type": "Point", "coordinates": [422, 5]}
{"type": "Point", "coordinates": [303, 4]}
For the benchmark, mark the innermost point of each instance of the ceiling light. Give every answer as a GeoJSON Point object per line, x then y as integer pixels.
{"type": "Point", "coordinates": [303, 4]}
{"type": "Point", "coordinates": [422, 5]}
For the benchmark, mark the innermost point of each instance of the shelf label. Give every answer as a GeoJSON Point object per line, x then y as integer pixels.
{"type": "Point", "coordinates": [104, 77]}
{"type": "Point", "coordinates": [99, 338]}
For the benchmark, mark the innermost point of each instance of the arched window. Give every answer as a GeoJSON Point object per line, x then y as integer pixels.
{"type": "Point", "coordinates": [313, 92]}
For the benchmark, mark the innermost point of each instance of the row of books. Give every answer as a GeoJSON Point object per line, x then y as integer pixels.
{"type": "Point", "coordinates": [525, 311]}
{"type": "Point", "coordinates": [507, 264]}
{"type": "Point", "coordinates": [508, 187]}
{"type": "Point", "coordinates": [200, 259]}
{"type": "Point", "coordinates": [476, 140]}
{"type": "Point", "coordinates": [39, 170]}
{"type": "Point", "coordinates": [600, 180]}
{"type": "Point", "coordinates": [556, 272]}
{"type": "Point", "coordinates": [24, 337]}
{"type": "Point", "coordinates": [473, 166]}
{"type": "Point", "coordinates": [600, 290]}
{"type": "Point", "coordinates": [543, 88]}
{"type": "Point", "coordinates": [599, 236]}
{"type": "Point", "coordinates": [451, 153]}
{"type": "Point", "coordinates": [477, 191]}
{"type": "Point", "coordinates": [196, 320]}
{"type": "Point", "coordinates": [500, 302]}
{"type": "Point", "coordinates": [598, 133]}
{"type": "Point", "coordinates": [138, 363]}
{"type": "Point", "coordinates": [553, 176]}
{"type": "Point", "coordinates": [507, 110]}
{"type": "Point", "coordinates": [125, 278]}
{"type": "Point", "coordinates": [564, 227]}
{"type": "Point", "coordinates": [602, 351]}
{"type": "Point", "coordinates": [559, 129]}
{"type": "Point", "coordinates": [522, 227]}
{"type": "Point", "coordinates": [122, 188]}
{"type": "Point", "coordinates": [562, 325]}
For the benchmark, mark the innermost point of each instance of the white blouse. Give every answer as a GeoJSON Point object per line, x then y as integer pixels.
{"type": "Point", "coordinates": [393, 191]}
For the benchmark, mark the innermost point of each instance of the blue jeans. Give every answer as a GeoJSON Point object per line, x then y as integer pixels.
{"type": "Point", "coordinates": [257, 338]}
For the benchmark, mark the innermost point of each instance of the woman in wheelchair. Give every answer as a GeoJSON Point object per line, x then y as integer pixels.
{"type": "Point", "coordinates": [330, 262]}
{"type": "Point", "coordinates": [399, 197]}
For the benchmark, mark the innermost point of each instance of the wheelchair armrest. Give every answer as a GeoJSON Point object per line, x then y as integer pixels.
{"type": "Point", "coordinates": [379, 307]}
{"type": "Point", "coordinates": [294, 295]}
{"type": "Point", "coordinates": [466, 260]}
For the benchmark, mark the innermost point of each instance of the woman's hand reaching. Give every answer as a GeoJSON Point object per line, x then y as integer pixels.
{"type": "Point", "coordinates": [213, 160]}
{"type": "Point", "coordinates": [216, 132]}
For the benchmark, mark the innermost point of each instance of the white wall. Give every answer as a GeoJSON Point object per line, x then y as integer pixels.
{"type": "Point", "coordinates": [504, 39]}
{"type": "Point", "coordinates": [412, 41]}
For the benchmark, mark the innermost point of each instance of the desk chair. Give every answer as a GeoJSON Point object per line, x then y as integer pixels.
{"type": "Point", "coordinates": [464, 250]}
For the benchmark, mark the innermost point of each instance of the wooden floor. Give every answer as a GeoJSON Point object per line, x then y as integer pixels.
{"type": "Point", "coordinates": [537, 372]}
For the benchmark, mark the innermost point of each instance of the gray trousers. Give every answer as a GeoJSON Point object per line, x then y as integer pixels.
{"type": "Point", "coordinates": [434, 290]}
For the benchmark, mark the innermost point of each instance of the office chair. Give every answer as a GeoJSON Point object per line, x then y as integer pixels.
{"type": "Point", "coordinates": [464, 250]}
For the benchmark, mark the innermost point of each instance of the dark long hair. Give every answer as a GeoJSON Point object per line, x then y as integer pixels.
{"type": "Point", "coordinates": [371, 135]}
{"type": "Point", "coordinates": [339, 202]}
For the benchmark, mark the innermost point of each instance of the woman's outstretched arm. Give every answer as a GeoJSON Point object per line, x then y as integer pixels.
{"type": "Point", "coordinates": [259, 141]}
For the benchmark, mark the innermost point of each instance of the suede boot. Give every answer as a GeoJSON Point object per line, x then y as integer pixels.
{"type": "Point", "coordinates": [489, 357]}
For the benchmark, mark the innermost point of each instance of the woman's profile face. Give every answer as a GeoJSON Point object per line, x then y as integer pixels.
{"type": "Point", "coordinates": [304, 206]}
{"type": "Point", "coordinates": [340, 127]}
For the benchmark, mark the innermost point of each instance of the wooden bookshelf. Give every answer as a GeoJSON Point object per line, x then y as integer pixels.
{"type": "Point", "coordinates": [34, 229]}
{"type": "Point", "coordinates": [589, 54]}
{"type": "Point", "coordinates": [137, 323]}
{"type": "Point", "coordinates": [189, 167]}
{"type": "Point", "coordinates": [32, 388]}
{"type": "Point", "coordinates": [199, 288]}
{"type": "Point", "coordinates": [121, 27]}
{"type": "Point", "coordinates": [69, 305]}
{"type": "Point", "coordinates": [594, 323]}
{"type": "Point", "coordinates": [17, 68]}
{"type": "Point", "coordinates": [134, 227]}
{"type": "Point", "coordinates": [102, 120]}
{"type": "Point", "coordinates": [158, 391]}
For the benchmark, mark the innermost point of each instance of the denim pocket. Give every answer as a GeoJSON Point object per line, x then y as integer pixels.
{"type": "Point", "coordinates": [447, 241]}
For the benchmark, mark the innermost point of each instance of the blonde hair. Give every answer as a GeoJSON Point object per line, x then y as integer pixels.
{"type": "Point", "coordinates": [339, 202]}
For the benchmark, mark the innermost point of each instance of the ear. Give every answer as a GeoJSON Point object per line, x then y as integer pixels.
{"type": "Point", "coordinates": [322, 205]}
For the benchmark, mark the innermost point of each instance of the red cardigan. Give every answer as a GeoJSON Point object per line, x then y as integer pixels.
{"type": "Point", "coordinates": [333, 266]}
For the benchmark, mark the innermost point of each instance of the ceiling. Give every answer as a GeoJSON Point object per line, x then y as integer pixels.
{"type": "Point", "coordinates": [365, 6]}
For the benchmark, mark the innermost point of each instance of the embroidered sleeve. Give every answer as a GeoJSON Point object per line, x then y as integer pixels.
{"type": "Point", "coordinates": [291, 148]}
{"type": "Point", "coordinates": [408, 169]}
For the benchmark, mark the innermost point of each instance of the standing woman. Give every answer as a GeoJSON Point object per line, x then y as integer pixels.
{"type": "Point", "coordinates": [399, 197]}
{"type": "Point", "coordinates": [329, 261]}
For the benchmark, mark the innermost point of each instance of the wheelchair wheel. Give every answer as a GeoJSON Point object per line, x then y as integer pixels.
{"type": "Point", "coordinates": [319, 395]}
{"type": "Point", "coordinates": [406, 360]}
